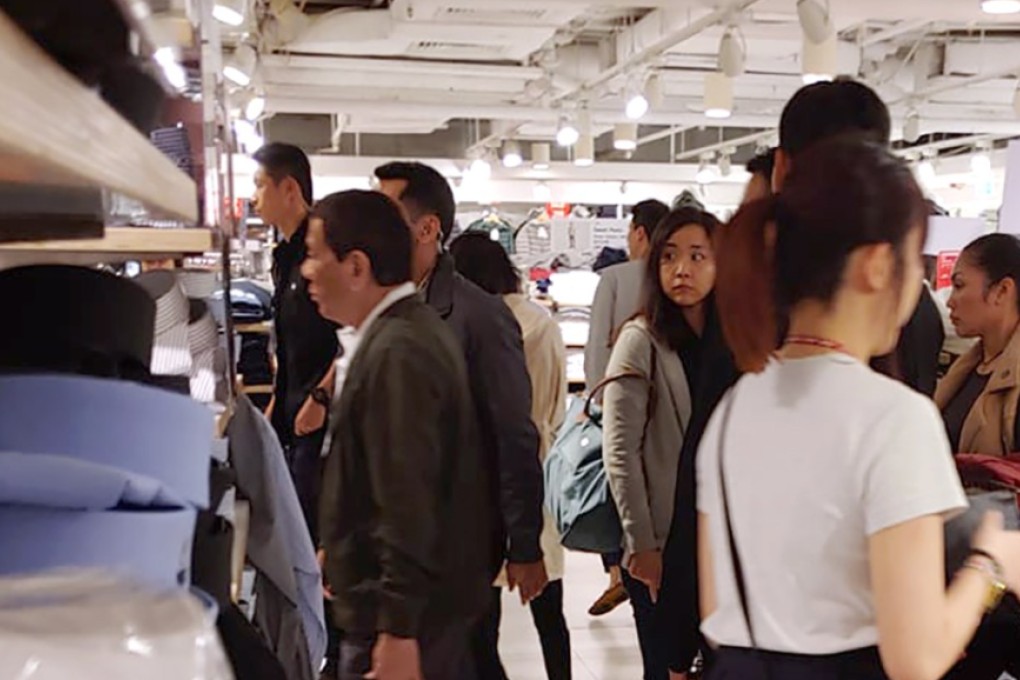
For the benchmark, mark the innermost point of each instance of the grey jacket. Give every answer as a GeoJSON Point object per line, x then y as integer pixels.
{"type": "Point", "coordinates": [617, 299]}
{"type": "Point", "coordinates": [493, 348]}
{"type": "Point", "coordinates": [642, 454]}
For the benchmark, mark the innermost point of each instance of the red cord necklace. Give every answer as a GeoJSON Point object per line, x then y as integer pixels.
{"type": "Point", "coordinates": [814, 341]}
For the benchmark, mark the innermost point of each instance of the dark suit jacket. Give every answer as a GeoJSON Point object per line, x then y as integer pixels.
{"type": "Point", "coordinates": [404, 521]}
{"type": "Point", "coordinates": [501, 388]}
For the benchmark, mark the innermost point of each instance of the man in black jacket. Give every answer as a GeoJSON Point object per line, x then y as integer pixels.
{"type": "Point", "coordinates": [500, 387]}
{"type": "Point", "coordinates": [306, 343]}
{"type": "Point", "coordinates": [404, 522]}
{"type": "Point", "coordinates": [815, 113]}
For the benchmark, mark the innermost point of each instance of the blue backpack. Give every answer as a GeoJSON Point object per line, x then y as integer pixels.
{"type": "Point", "coordinates": [577, 491]}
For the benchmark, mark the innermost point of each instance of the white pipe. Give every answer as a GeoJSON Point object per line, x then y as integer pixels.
{"type": "Point", "coordinates": [403, 66]}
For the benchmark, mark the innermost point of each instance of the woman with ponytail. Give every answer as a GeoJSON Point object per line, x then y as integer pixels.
{"type": "Point", "coordinates": [824, 486]}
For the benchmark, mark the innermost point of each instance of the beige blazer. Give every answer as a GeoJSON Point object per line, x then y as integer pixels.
{"type": "Point", "coordinates": [642, 453]}
{"type": "Point", "coordinates": [989, 427]}
{"type": "Point", "coordinates": [546, 358]}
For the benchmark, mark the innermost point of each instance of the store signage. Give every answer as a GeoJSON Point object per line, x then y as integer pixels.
{"type": "Point", "coordinates": [558, 209]}
{"type": "Point", "coordinates": [944, 266]}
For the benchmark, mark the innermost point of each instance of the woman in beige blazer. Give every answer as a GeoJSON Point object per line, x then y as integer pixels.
{"type": "Point", "coordinates": [980, 394]}
{"type": "Point", "coordinates": [645, 416]}
{"type": "Point", "coordinates": [484, 262]}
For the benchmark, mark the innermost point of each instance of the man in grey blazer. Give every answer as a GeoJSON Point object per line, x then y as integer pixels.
{"type": "Point", "coordinates": [618, 296]}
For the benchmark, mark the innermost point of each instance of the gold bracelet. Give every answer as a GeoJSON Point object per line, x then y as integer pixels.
{"type": "Point", "coordinates": [990, 569]}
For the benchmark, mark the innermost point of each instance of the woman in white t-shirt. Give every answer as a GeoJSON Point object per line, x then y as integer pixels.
{"type": "Point", "coordinates": [828, 482]}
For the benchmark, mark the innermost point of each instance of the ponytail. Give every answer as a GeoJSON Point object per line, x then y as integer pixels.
{"type": "Point", "coordinates": [745, 287]}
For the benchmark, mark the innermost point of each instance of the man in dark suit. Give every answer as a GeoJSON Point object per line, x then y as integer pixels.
{"type": "Point", "coordinates": [500, 387]}
{"type": "Point", "coordinates": [404, 522]}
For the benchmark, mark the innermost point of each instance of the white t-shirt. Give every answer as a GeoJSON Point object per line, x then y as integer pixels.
{"type": "Point", "coordinates": [820, 454]}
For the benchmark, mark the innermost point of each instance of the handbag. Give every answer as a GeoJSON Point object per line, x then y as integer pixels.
{"type": "Point", "coordinates": [758, 664]}
{"type": "Point", "coordinates": [577, 490]}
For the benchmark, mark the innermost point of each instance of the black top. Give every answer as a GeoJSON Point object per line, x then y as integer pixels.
{"type": "Point", "coordinates": [959, 407]}
{"type": "Point", "coordinates": [306, 343]}
{"type": "Point", "coordinates": [493, 349]}
{"type": "Point", "coordinates": [915, 361]}
{"type": "Point", "coordinates": [404, 519]}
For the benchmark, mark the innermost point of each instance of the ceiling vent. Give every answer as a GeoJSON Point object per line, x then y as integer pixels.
{"type": "Point", "coordinates": [491, 15]}
{"type": "Point", "coordinates": [456, 50]}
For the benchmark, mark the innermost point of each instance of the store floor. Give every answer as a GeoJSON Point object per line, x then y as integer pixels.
{"type": "Point", "coordinates": [604, 648]}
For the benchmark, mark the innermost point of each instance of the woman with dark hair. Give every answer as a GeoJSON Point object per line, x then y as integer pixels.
{"type": "Point", "coordinates": [485, 263]}
{"type": "Point", "coordinates": [823, 486]}
{"type": "Point", "coordinates": [647, 413]}
{"type": "Point", "coordinates": [980, 394]}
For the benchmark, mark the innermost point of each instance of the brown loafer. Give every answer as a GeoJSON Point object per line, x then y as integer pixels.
{"type": "Point", "coordinates": [610, 600]}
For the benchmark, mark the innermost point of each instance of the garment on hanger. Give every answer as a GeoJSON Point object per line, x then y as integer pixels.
{"type": "Point", "coordinates": [288, 588]}
{"type": "Point", "coordinates": [498, 229]}
{"type": "Point", "coordinates": [171, 353]}
{"type": "Point", "coordinates": [534, 238]}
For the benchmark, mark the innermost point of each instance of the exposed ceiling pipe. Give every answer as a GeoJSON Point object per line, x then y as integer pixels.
{"type": "Point", "coordinates": [958, 84]}
{"type": "Point", "coordinates": [404, 66]}
{"type": "Point", "coordinates": [894, 31]}
{"type": "Point", "coordinates": [664, 43]}
{"type": "Point", "coordinates": [738, 141]}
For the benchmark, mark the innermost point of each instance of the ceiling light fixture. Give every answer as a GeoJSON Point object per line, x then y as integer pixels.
{"type": "Point", "coordinates": [726, 161]}
{"type": "Point", "coordinates": [512, 157]}
{"type": "Point", "coordinates": [229, 12]}
{"type": "Point", "coordinates": [912, 127]}
{"type": "Point", "coordinates": [819, 61]}
{"type": "Point", "coordinates": [1000, 6]}
{"type": "Point", "coordinates": [707, 171]}
{"type": "Point", "coordinates": [480, 168]}
{"type": "Point", "coordinates": [926, 171]}
{"type": "Point", "coordinates": [637, 106]}
{"type": "Point", "coordinates": [981, 161]}
{"type": "Point", "coordinates": [584, 151]}
{"type": "Point", "coordinates": [249, 140]}
{"type": "Point", "coordinates": [567, 134]}
{"type": "Point", "coordinates": [815, 20]}
{"type": "Point", "coordinates": [732, 53]}
{"type": "Point", "coordinates": [718, 96]}
{"type": "Point", "coordinates": [654, 91]}
{"type": "Point", "coordinates": [254, 105]}
{"type": "Point", "coordinates": [541, 155]}
{"type": "Point", "coordinates": [175, 74]}
{"type": "Point", "coordinates": [625, 136]}
{"type": "Point", "coordinates": [541, 192]}
{"type": "Point", "coordinates": [240, 68]}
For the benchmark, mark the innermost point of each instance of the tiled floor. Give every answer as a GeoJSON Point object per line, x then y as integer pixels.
{"type": "Point", "coordinates": [604, 648]}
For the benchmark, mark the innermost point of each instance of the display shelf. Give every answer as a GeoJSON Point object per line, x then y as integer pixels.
{"type": "Point", "coordinates": [263, 327]}
{"type": "Point", "coordinates": [56, 132]}
{"type": "Point", "coordinates": [117, 245]}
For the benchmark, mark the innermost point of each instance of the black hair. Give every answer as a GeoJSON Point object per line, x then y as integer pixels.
{"type": "Point", "coordinates": [372, 223]}
{"type": "Point", "coordinates": [998, 256]}
{"type": "Point", "coordinates": [824, 110]}
{"type": "Point", "coordinates": [664, 317]}
{"type": "Point", "coordinates": [281, 161]}
{"type": "Point", "coordinates": [763, 164]}
{"type": "Point", "coordinates": [842, 194]}
{"type": "Point", "coordinates": [485, 263]}
{"type": "Point", "coordinates": [648, 214]}
{"type": "Point", "coordinates": [427, 192]}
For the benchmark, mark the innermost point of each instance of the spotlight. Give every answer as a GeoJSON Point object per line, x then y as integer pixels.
{"type": "Point", "coordinates": [567, 134]}
{"type": "Point", "coordinates": [819, 61]}
{"type": "Point", "coordinates": [725, 165]}
{"type": "Point", "coordinates": [654, 92]}
{"type": "Point", "coordinates": [512, 157]}
{"type": "Point", "coordinates": [540, 156]}
{"type": "Point", "coordinates": [926, 171]}
{"type": "Point", "coordinates": [981, 163]}
{"type": "Point", "coordinates": [912, 127]}
{"type": "Point", "coordinates": [541, 192]}
{"type": "Point", "coordinates": [584, 152]}
{"type": "Point", "coordinates": [480, 168]}
{"type": "Point", "coordinates": [732, 54]}
{"type": "Point", "coordinates": [718, 96]}
{"type": "Point", "coordinates": [253, 105]}
{"type": "Point", "coordinates": [229, 12]}
{"type": "Point", "coordinates": [241, 66]}
{"type": "Point", "coordinates": [815, 20]}
{"type": "Point", "coordinates": [707, 171]}
{"type": "Point", "coordinates": [1000, 6]}
{"type": "Point", "coordinates": [637, 106]}
{"type": "Point", "coordinates": [175, 74]}
{"type": "Point", "coordinates": [625, 136]}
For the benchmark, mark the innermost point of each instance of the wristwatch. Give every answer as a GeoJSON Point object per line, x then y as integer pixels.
{"type": "Point", "coordinates": [983, 562]}
{"type": "Point", "coordinates": [321, 396]}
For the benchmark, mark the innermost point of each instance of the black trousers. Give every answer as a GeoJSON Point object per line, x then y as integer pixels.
{"type": "Point", "coordinates": [304, 460]}
{"type": "Point", "coordinates": [732, 663]}
{"type": "Point", "coordinates": [654, 653]}
{"type": "Point", "coordinates": [553, 635]}
{"type": "Point", "coordinates": [610, 560]}
{"type": "Point", "coordinates": [444, 653]}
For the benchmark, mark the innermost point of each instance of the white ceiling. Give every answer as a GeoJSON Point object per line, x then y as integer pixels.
{"type": "Point", "coordinates": [412, 67]}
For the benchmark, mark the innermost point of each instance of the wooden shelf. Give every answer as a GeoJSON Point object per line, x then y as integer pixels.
{"type": "Point", "coordinates": [55, 131]}
{"type": "Point", "coordinates": [118, 245]}
{"type": "Point", "coordinates": [263, 327]}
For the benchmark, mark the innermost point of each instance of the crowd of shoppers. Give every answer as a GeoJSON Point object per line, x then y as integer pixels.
{"type": "Point", "coordinates": [780, 472]}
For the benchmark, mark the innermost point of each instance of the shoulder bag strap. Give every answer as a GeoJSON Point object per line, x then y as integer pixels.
{"type": "Point", "coordinates": [738, 568]}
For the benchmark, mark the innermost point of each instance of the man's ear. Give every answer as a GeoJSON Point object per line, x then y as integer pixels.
{"type": "Point", "coordinates": [292, 189]}
{"type": "Point", "coordinates": [360, 268]}
{"type": "Point", "coordinates": [780, 170]}
{"type": "Point", "coordinates": [429, 229]}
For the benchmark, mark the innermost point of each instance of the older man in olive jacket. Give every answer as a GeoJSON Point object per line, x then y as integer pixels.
{"type": "Point", "coordinates": [404, 522]}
